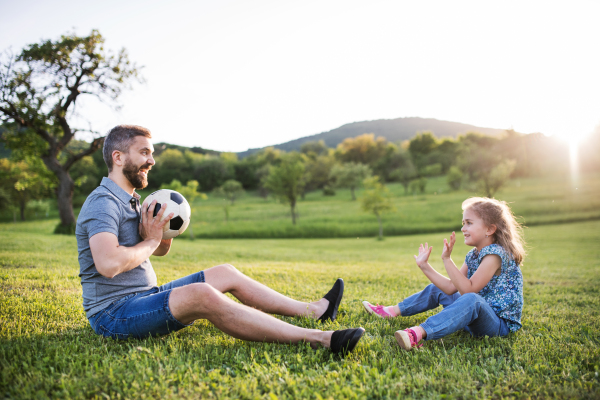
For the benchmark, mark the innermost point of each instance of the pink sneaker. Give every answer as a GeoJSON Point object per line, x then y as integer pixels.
{"type": "Point", "coordinates": [377, 310]}
{"type": "Point", "coordinates": [407, 339]}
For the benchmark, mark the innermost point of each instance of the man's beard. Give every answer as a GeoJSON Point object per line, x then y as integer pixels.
{"type": "Point", "coordinates": [131, 172]}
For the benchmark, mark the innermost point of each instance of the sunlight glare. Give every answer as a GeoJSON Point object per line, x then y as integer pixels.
{"type": "Point", "coordinates": [574, 161]}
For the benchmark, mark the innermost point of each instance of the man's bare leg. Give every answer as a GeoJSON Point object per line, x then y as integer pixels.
{"type": "Point", "coordinates": [203, 301]}
{"type": "Point", "coordinates": [227, 279]}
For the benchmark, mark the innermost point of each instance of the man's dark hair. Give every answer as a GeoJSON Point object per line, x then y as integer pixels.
{"type": "Point", "coordinates": [120, 138]}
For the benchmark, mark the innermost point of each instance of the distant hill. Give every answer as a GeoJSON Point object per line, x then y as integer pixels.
{"type": "Point", "coordinates": [394, 130]}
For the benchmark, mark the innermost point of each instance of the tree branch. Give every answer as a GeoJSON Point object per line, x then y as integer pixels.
{"type": "Point", "coordinates": [95, 145]}
{"type": "Point", "coordinates": [14, 114]}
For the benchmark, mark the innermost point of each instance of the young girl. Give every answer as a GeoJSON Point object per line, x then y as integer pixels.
{"type": "Point", "coordinates": [484, 297]}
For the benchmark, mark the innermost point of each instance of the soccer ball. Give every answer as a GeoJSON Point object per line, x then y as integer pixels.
{"type": "Point", "coordinates": [176, 204]}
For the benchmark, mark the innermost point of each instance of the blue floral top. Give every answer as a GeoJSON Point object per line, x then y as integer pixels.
{"type": "Point", "coordinates": [504, 292]}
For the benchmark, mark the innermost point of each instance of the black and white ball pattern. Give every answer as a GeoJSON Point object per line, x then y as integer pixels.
{"type": "Point", "coordinates": [176, 204]}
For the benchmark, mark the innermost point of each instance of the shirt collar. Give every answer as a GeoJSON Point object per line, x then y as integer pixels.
{"type": "Point", "coordinates": [118, 190]}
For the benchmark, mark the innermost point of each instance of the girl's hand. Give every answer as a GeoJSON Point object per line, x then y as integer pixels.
{"type": "Point", "coordinates": [423, 257]}
{"type": "Point", "coordinates": [448, 246]}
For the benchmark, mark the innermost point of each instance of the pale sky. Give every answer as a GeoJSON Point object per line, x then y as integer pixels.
{"type": "Point", "coordinates": [230, 75]}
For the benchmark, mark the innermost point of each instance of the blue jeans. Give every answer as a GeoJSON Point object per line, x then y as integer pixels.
{"type": "Point", "coordinates": [139, 315]}
{"type": "Point", "coordinates": [469, 312]}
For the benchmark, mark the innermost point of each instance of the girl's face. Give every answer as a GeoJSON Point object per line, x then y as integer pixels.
{"type": "Point", "coordinates": [475, 231]}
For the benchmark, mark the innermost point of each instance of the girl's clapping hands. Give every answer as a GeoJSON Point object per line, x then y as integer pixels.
{"type": "Point", "coordinates": [448, 246]}
{"type": "Point", "coordinates": [423, 257]}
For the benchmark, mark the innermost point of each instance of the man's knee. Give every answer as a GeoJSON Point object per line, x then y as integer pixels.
{"type": "Point", "coordinates": [195, 301]}
{"type": "Point", "coordinates": [202, 293]}
{"type": "Point", "coordinates": [226, 269]}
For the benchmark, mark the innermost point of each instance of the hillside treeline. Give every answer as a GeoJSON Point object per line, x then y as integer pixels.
{"type": "Point", "coordinates": [468, 159]}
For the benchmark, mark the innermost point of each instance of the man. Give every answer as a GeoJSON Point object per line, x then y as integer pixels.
{"type": "Point", "coordinates": [115, 238]}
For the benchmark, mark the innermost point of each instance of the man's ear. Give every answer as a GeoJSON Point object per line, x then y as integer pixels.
{"type": "Point", "coordinates": [491, 230]}
{"type": "Point", "coordinates": [118, 158]}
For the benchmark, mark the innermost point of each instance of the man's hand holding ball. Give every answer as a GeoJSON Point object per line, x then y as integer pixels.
{"type": "Point", "coordinates": [152, 227]}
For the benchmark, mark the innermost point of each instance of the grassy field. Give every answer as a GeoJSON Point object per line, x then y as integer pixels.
{"type": "Point", "coordinates": [48, 350]}
{"type": "Point", "coordinates": [537, 201]}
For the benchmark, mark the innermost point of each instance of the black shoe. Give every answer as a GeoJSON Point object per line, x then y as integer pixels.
{"type": "Point", "coordinates": [334, 296]}
{"type": "Point", "coordinates": [344, 341]}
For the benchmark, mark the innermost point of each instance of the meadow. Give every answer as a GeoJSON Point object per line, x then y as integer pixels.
{"type": "Point", "coordinates": [537, 200]}
{"type": "Point", "coordinates": [48, 350]}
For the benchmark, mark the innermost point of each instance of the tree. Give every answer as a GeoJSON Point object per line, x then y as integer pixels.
{"type": "Point", "coordinates": [394, 158]}
{"type": "Point", "coordinates": [432, 170]}
{"type": "Point", "coordinates": [268, 155]}
{"type": "Point", "coordinates": [363, 149]}
{"type": "Point", "coordinates": [231, 190]}
{"type": "Point", "coordinates": [286, 181]}
{"type": "Point", "coordinates": [318, 171]}
{"type": "Point", "coordinates": [404, 175]}
{"type": "Point", "coordinates": [454, 178]}
{"type": "Point", "coordinates": [23, 181]}
{"type": "Point", "coordinates": [84, 175]}
{"type": "Point", "coordinates": [376, 200]}
{"type": "Point", "coordinates": [262, 174]}
{"type": "Point", "coordinates": [171, 165]}
{"type": "Point", "coordinates": [483, 165]}
{"type": "Point", "coordinates": [5, 201]}
{"type": "Point", "coordinates": [38, 92]}
{"type": "Point", "coordinates": [245, 173]}
{"type": "Point", "coordinates": [490, 183]}
{"type": "Point", "coordinates": [212, 172]}
{"type": "Point", "coordinates": [422, 184]}
{"type": "Point", "coordinates": [314, 149]}
{"type": "Point", "coordinates": [349, 175]}
{"type": "Point", "coordinates": [446, 153]}
{"type": "Point", "coordinates": [421, 147]}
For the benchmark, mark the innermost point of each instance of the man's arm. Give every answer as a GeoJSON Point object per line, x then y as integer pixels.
{"type": "Point", "coordinates": [112, 259]}
{"type": "Point", "coordinates": [163, 248]}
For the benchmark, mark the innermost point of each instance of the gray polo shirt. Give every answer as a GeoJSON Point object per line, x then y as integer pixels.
{"type": "Point", "coordinates": [110, 209]}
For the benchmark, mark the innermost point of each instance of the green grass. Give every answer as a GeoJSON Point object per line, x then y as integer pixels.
{"type": "Point", "coordinates": [537, 201]}
{"type": "Point", "coordinates": [48, 350]}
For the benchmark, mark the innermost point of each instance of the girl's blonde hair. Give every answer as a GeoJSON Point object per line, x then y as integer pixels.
{"type": "Point", "coordinates": [509, 233]}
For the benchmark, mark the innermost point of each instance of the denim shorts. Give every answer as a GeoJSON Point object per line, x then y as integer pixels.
{"type": "Point", "coordinates": [139, 315]}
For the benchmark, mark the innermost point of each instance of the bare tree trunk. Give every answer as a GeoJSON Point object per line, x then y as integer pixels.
{"type": "Point", "coordinates": [293, 206]}
{"type": "Point", "coordinates": [65, 199]}
{"type": "Point", "coordinates": [22, 205]}
{"type": "Point", "coordinates": [64, 195]}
